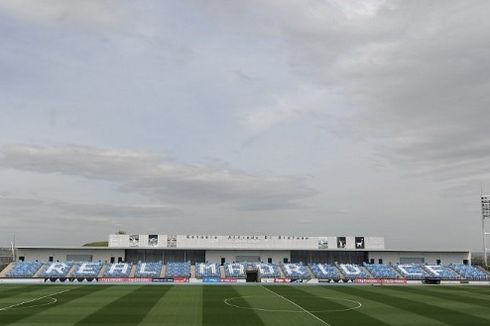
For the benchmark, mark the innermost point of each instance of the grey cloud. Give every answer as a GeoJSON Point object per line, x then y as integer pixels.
{"type": "Point", "coordinates": [116, 211]}
{"type": "Point", "coordinates": [87, 13]}
{"type": "Point", "coordinates": [416, 76]}
{"type": "Point", "coordinates": [28, 207]}
{"type": "Point", "coordinates": [159, 177]}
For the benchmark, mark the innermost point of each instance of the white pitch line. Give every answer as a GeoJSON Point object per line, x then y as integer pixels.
{"type": "Point", "coordinates": [297, 305]}
{"type": "Point", "coordinates": [35, 299]}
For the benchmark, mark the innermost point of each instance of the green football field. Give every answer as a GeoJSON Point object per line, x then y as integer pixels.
{"type": "Point", "coordinates": [243, 305]}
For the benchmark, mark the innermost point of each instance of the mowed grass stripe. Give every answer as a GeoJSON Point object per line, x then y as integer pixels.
{"type": "Point", "coordinates": [413, 305]}
{"type": "Point", "coordinates": [271, 308]}
{"type": "Point", "coordinates": [15, 291]}
{"type": "Point", "coordinates": [36, 295]}
{"type": "Point", "coordinates": [418, 293]}
{"type": "Point", "coordinates": [6, 290]}
{"type": "Point", "coordinates": [182, 305]}
{"type": "Point", "coordinates": [70, 313]}
{"type": "Point", "coordinates": [433, 292]}
{"type": "Point", "coordinates": [129, 309]}
{"type": "Point", "coordinates": [464, 289]}
{"type": "Point", "coordinates": [467, 291]}
{"type": "Point", "coordinates": [316, 303]}
{"type": "Point", "coordinates": [481, 291]}
{"type": "Point", "coordinates": [216, 312]}
{"type": "Point", "coordinates": [74, 292]}
{"type": "Point", "coordinates": [376, 310]}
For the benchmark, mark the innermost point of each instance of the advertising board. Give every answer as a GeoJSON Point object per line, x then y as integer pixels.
{"type": "Point", "coordinates": [379, 281]}
{"type": "Point", "coordinates": [162, 280]}
{"type": "Point", "coordinates": [123, 280]}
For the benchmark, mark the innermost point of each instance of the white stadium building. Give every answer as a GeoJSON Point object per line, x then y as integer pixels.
{"type": "Point", "coordinates": [157, 258]}
{"type": "Point", "coordinates": [243, 248]}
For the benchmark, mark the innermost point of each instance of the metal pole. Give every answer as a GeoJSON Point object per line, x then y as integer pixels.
{"type": "Point", "coordinates": [484, 212]}
{"type": "Point", "coordinates": [484, 242]}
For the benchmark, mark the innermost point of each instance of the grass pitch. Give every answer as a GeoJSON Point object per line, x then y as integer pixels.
{"type": "Point", "coordinates": [243, 305]}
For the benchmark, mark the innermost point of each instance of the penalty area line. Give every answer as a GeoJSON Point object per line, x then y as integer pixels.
{"type": "Point", "coordinates": [32, 300]}
{"type": "Point", "coordinates": [300, 307]}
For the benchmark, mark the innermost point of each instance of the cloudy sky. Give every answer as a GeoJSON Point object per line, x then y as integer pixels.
{"type": "Point", "coordinates": [264, 117]}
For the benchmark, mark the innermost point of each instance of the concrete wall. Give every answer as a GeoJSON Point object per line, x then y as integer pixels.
{"type": "Point", "coordinates": [244, 242]}
{"type": "Point", "coordinates": [429, 257]}
{"type": "Point", "coordinates": [230, 255]}
{"type": "Point", "coordinates": [43, 255]}
{"type": "Point", "coordinates": [104, 255]}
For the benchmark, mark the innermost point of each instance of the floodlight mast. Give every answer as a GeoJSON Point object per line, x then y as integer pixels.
{"type": "Point", "coordinates": [485, 216]}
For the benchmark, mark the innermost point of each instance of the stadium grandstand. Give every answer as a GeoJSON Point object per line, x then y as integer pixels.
{"type": "Point", "coordinates": [240, 259]}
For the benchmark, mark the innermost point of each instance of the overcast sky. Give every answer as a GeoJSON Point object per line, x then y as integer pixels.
{"type": "Point", "coordinates": [244, 117]}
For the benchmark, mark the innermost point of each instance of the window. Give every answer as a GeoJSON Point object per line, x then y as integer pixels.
{"type": "Point", "coordinates": [223, 260]}
{"type": "Point", "coordinates": [438, 262]}
{"type": "Point", "coordinates": [119, 259]}
{"type": "Point", "coordinates": [341, 242]}
{"type": "Point", "coordinates": [50, 259]}
{"type": "Point", "coordinates": [269, 260]}
{"type": "Point", "coordinates": [412, 260]}
{"type": "Point", "coordinates": [113, 260]}
{"type": "Point", "coordinates": [285, 260]}
{"type": "Point", "coordinates": [380, 261]}
{"type": "Point", "coordinates": [359, 242]}
{"type": "Point", "coordinates": [371, 261]}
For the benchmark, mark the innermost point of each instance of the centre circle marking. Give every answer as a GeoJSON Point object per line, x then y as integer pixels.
{"type": "Point", "coordinates": [229, 302]}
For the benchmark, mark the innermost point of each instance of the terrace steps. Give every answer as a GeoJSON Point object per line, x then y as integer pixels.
{"type": "Point", "coordinates": [222, 271]}
{"type": "Point", "coordinates": [310, 272]}
{"type": "Point", "coordinates": [7, 269]}
{"type": "Point", "coordinates": [102, 270]}
{"type": "Point", "coordinates": [398, 274]}
{"type": "Point", "coordinates": [482, 269]}
{"type": "Point", "coordinates": [133, 271]}
{"type": "Point", "coordinates": [71, 272]}
{"type": "Point", "coordinates": [281, 273]}
{"type": "Point", "coordinates": [162, 272]}
{"type": "Point", "coordinates": [193, 271]}
{"type": "Point", "coordinates": [367, 271]}
{"type": "Point", "coordinates": [40, 271]}
{"type": "Point", "coordinates": [339, 270]}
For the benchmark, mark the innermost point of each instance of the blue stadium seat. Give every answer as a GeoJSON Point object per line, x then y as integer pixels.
{"type": "Point", "coordinates": [412, 271]}
{"type": "Point", "coordinates": [325, 271]}
{"type": "Point", "coordinates": [118, 270]}
{"type": "Point", "coordinates": [470, 272]}
{"type": "Point", "coordinates": [24, 269]}
{"type": "Point", "coordinates": [178, 270]}
{"type": "Point", "coordinates": [207, 270]}
{"type": "Point", "coordinates": [295, 271]}
{"type": "Point", "coordinates": [87, 269]}
{"type": "Point", "coordinates": [382, 271]}
{"type": "Point", "coordinates": [57, 269]}
{"type": "Point", "coordinates": [235, 270]}
{"type": "Point", "coordinates": [442, 272]}
{"type": "Point", "coordinates": [353, 271]}
{"type": "Point", "coordinates": [148, 269]}
{"type": "Point", "coordinates": [268, 270]}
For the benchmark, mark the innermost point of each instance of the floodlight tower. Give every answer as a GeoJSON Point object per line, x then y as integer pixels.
{"type": "Point", "coordinates": [485, 216]}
